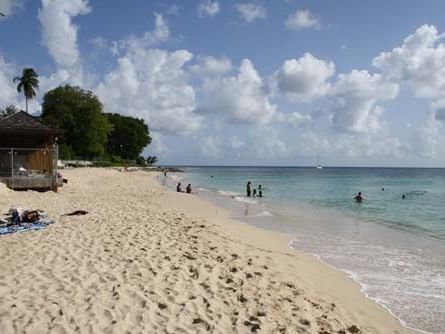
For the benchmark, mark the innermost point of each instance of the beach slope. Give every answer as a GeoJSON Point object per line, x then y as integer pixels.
{"type": "Point", "coordinates": [148, 260]}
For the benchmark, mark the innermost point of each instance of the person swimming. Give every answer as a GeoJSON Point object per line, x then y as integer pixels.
{"type": "Point", "coordinates": [358, 198]}
{"type": "Point", "coordinates": [254, 193]}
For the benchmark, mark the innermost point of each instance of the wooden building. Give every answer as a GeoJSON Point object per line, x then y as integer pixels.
{"type": "Point", "coordinates": [28, 152]}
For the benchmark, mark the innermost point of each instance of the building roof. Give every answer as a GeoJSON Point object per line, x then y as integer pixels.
{"type": "Point", "coordinates": [23, 121]}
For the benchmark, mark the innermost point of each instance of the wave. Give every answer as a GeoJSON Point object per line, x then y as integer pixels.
{"type": "Point", "coordinates": [228, 193]}
{"type": "Point", "coordinates": [247, 200]}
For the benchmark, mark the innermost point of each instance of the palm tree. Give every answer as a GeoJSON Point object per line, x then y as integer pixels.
{"type": "Point", "coordinates": [27, 82]}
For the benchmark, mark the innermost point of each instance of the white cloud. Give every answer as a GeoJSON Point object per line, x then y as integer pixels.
{"type": "Point", "coordinates": [99, 42]}
{"type": "Point", "coordinates": [296, 119]}
{"type": "Point", "coordinates": [159, 34]}
{"type": "Point", "coordinates": [208, 8]}
{"type": "Point", "coordinates": [59, 33]}
{"type": "Point", "coordinates": [302, 19]}
{"type": "Point", "coordinates": [152, 84]}
{"type": "Point", "coordinates": [251, 12]}
{"type": "Point", "coordinates": [210, 147]}
{"type": "Point", "coordinates": [8, 92]}
{"type": "Point", "coordinates": [419, 62]}
{"type": "Point", "coordinates": [356, 97]}
{"type": "Point", "coordinates": [9, 7]}
{"type": "Point", "coordinates": [272, 146]}
{"type": "Point", "coordinates": [211, 66]}
{"type": "Point", "coordinates": [60, 38]}
{"type": "Point", "coordinates": [240, 99]}
{"type": "Point", "coordinates": [427, 139]}
{"type": "Point", "coordinates": [304, 79]}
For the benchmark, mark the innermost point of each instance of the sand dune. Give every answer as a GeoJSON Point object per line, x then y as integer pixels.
{"type": "Point", "coordinates": [145, 260]}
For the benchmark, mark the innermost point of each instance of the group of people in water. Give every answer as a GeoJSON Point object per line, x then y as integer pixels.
{"type": "Point", "coordinates": [359, 198]}
{"type": "Point", "coordinates": [254, 192]}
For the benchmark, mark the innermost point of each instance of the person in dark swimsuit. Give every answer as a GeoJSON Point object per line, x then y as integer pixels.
{"type": "Point", "coordinates": [359, 197]}
{"type": "Point", "coordinates": [248, 190]}
{"type": "Point", "coordinates": [189, 189]}
{"type": "Point", "coordinates": [178, 188]}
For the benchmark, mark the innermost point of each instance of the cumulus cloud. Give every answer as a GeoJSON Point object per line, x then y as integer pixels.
{"type": "Point", "coordinates": [241, 98]}
{"type": "Point", "coordinates": [250, 12]}
{"type": "Point", "coordinates": [427, 139]}
{"type": "Point", "coordinates": [208, 8]}
{"type": "Point", "coordinates": [419, 62]}
{"type": "Point", "coordinates": [210, 67]}
{"type": "Point", "coordinates": [159, 34]}
{"type": "Point", "coordinates": [152, 84]}
{"type": "Point", "coordinates": [60, 38]}
{"type": "Point", "coordinates": [59, 33]}
{"type": "Point", "coordinates": [8, 92]}
{"type": "Point", "coordinates": [302, 19]}
{"type": "Point", "coordinates": [357, 95]}
{"type": "Point", "coordinates": [304, 79]}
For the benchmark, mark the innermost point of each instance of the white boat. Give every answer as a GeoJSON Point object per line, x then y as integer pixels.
{"type": "Point", "coordinates": [318, 163]}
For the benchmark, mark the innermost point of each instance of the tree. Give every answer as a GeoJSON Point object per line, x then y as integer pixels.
{"type": "Point", "coordinates": [128, 137]}
{"type": "Point", "coordinates": [151, 160]}
{"type": "Point", "coordinates": [9, 110]}
{"type": "Point", "coordinates": [79, 113]}
{"type": "Point", "coordinates": [27, 83]}
{"type": "Point", "coordinates": [140, 161]}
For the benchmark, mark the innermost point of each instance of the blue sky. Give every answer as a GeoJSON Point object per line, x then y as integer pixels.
{"type": "Point", "coordinates": [247, 82]}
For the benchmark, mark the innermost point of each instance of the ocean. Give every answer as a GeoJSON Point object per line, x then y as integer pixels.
{"type": "Point", "coordinates": [392, 244]}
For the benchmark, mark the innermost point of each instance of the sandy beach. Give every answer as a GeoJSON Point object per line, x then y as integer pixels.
{"type": "Point", "coordinates": [148, 260]}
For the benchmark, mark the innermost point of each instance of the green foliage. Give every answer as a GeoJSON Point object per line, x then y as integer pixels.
{"type": "Point", "coordinates": [140, 161]}
{"type": "Point", "coordinates": [66, 152]}
{"type": "Point", "coordinates": [151, 160]}
{"type": "Point", "coordinates": [128, 137]}
{"type": "Point", "coordinates": [9, 110]}
{"type": "Point", "coordinates": [79, 113]}
{"type": "Point", "coordinates": [28, 82]}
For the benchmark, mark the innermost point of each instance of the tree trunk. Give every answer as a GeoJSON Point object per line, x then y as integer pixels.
{"type": "Point", "coordinates": [26, 99]}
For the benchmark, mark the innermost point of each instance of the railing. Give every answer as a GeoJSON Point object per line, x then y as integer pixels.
{"type": "Point", "coordinates": [28, 163]}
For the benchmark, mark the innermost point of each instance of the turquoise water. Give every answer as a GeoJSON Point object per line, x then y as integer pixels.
{"type": "Point", "coordinates": [394, 247]}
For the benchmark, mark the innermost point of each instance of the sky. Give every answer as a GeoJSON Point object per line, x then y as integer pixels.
{"type": "Point", "coordinates": [231, 82]}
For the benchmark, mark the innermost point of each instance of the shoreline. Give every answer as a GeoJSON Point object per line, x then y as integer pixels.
{"type": "Point", "coordinates": [279, 236]}
{"type": "Point", "coordinates": [381, 280]}
{"type": "Point", "coordinates": [149, 259]}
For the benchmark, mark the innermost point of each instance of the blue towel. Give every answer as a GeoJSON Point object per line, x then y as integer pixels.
{"type": "Point", "coordinates": [37, 225]}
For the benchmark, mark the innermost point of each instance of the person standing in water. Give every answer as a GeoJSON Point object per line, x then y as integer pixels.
{"type": "Point", "coordinates": [260, 191]}
{"type": "Point", "coordinates": [248, 190]}
{"type": "Point", "coordinates": [359, 197]}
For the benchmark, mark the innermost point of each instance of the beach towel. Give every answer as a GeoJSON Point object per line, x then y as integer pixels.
{"type": "Point", "coordinates": [37, 225]}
